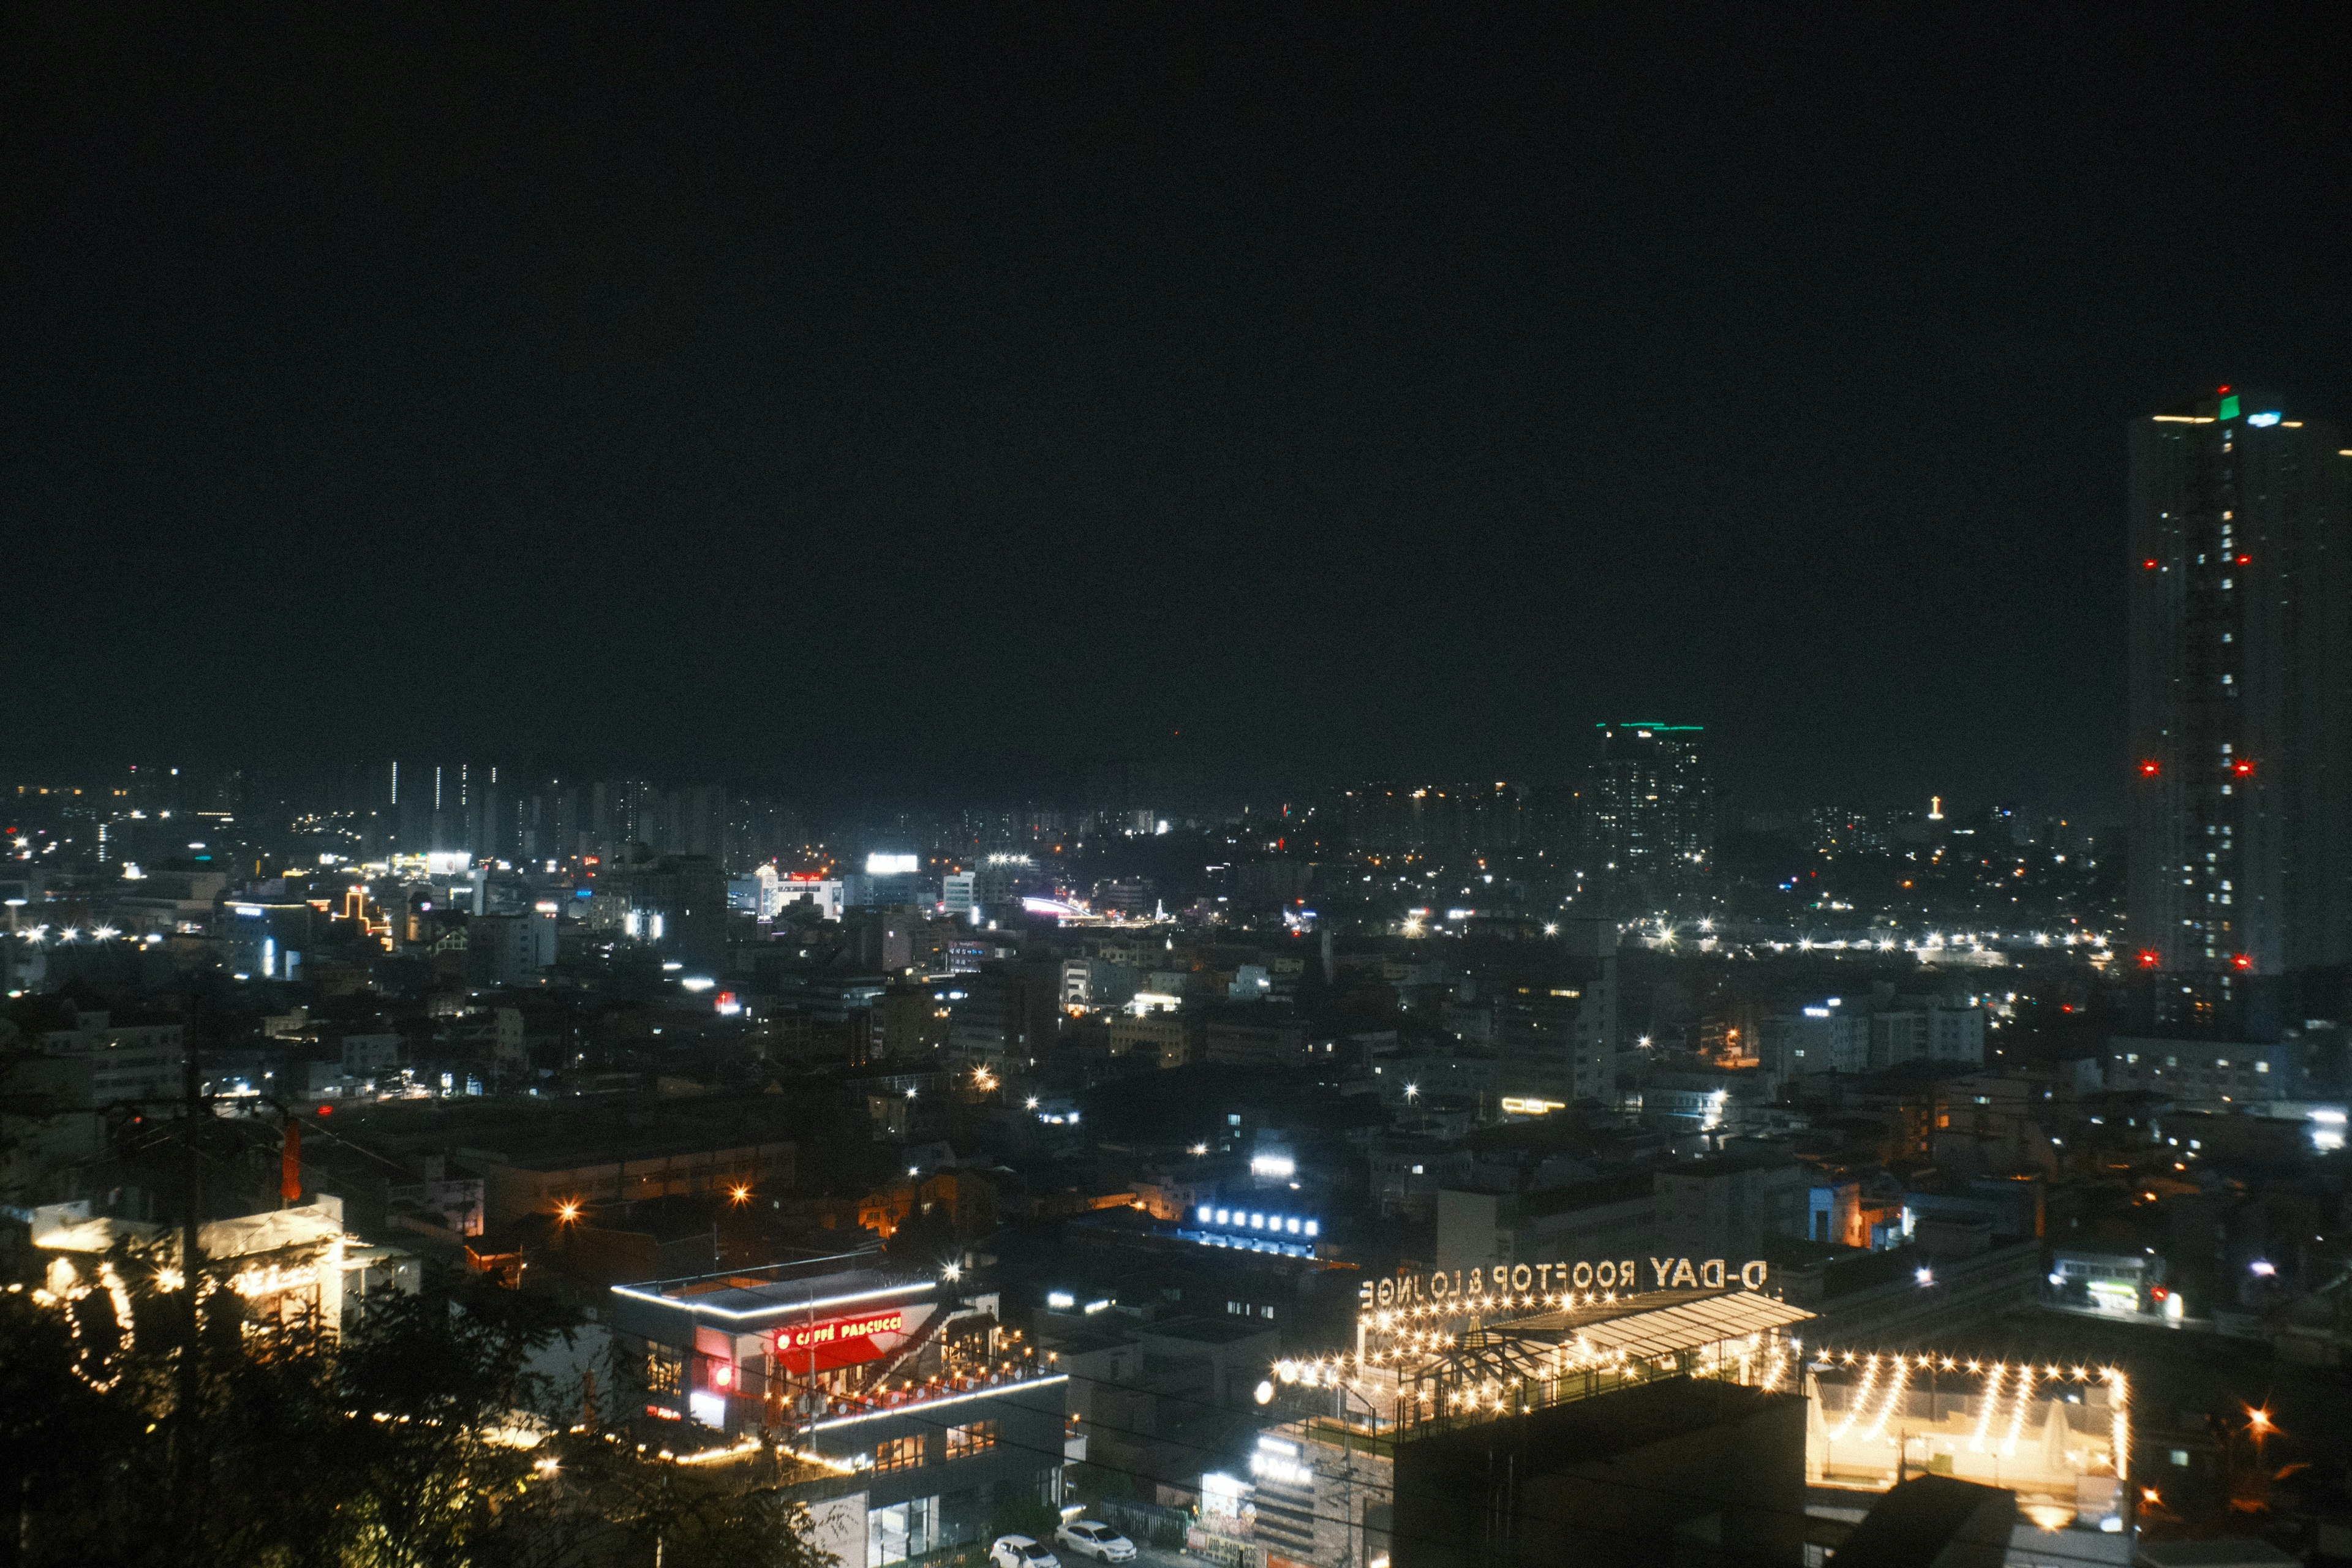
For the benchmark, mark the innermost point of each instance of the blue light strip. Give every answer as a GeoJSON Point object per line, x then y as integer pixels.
{"type": "Point", "coordinates": [1243, 1219]}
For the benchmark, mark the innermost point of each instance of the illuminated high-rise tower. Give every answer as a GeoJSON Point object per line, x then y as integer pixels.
{"type": "Point", "coordinates": [2240, 708]}
{"type": "Point", "coordinates": [1649, 825]}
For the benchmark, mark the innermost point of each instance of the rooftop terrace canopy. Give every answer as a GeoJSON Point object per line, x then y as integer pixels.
{"type": "Point", "coordinates": [1685, 1326]}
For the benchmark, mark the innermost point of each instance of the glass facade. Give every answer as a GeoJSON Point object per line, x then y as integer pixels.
{"type": "Point", "coordinates": [901, 1531]}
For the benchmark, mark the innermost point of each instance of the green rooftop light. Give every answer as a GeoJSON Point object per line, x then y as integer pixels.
{"type": "Point", "coordinates": [2229, 406]}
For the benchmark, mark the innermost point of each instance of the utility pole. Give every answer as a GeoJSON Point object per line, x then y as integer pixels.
{"type": "Point", "coordinates": [186, 1468]}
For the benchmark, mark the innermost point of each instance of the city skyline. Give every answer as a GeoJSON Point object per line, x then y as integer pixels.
{"type": "Point", "coordinates": [1213, 403]}
{"type": "Point", "coordinates": [1298, 786]}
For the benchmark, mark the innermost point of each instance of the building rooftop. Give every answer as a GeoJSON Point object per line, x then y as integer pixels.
{"type": "Point", "coordinates": [757, 1295]}
{"type": "Point", "coordinates": [1206, 1331]}
{"type": "Point", "coordinates": [1927, 1516]}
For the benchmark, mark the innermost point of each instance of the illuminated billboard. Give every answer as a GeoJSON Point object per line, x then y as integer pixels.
{"type": "Point", "coordinates": [840, 1342]}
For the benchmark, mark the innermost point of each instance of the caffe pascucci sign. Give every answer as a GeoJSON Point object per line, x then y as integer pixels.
{"type": "Point", "coordinates": [1470, 1288]}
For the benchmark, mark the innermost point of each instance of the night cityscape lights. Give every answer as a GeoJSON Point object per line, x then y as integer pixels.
{"type": "Point", "coordinates": [1298, 788]}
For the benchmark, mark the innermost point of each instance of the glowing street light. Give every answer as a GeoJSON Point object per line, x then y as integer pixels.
{"type": "Point", "coordinates": [2258, 1423]}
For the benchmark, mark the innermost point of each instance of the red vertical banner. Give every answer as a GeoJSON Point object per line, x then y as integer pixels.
{"type": "Point", "coordinates": [289, 1176]}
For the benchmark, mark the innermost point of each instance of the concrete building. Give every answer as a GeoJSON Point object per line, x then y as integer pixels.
{"type": "Point", "coordinates": [2241, 669]}
{"type": "Point", "coordinates": [510, 950]}
{"type": "Point", "coordinates": [824, 895]}
{"type": "Point", "coordinates": [1556, 1032]}
{"type": "Point", "coordinates": [1648, 817]}
{"type": "Point", "coordinates": [957, 894]}
{"type": "Point", "coordinates": [1248, 1036]}
{"type": "Point", "coordinates": [1729, 1205]}
{"type": "Point", "coordinates": [1858, 1034]}
{"type": "Point", "coordinates": [1169, 1037]}
{"type": "Point", "coordinates": [136, 1060]}
{"type": "Point", "coordinates": [1614, 1217]}
{"type": "Point", "coordinates": [1010, 1009]}
{"type": "Point", "coordinates": [529, 1177]}
{"type": "Point", "coordinates": [2208, 1072]}
{"type": "Point", "coordinates": [675, 903]}
{"type": "Point", "coordinates": [918, 1390]}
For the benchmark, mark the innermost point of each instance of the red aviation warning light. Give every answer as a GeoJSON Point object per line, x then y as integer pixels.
{"type": "Point", "coordinates": [2242, 961]}
{"type": "Point", "coordinates": [2241, 767]}
{"type": "Point", "coordinates": [2148, 958]}
{"type": "Point", "coordinates": [2150, 767]}
{"type": "Point", "coordinates": [2148, 565]}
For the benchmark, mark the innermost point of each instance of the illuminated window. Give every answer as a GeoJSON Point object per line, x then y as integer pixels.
{"type": "Point", "coordinates": [978, 1437]}
{"type": "Point", "coordinates": [665, 1371]}
{"type": "Point", "coordinates": [899, 1454]}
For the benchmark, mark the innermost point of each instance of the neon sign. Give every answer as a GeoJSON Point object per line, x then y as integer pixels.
{"type": "Point", "coordinates": [1472, 1289]}
{"type": "Point", "coordinates": [840, 1328]}
{"type": "Point", "coordinates": [841, 1341]}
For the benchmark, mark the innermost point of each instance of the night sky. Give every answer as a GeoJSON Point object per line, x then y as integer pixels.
{"type": "Point", "coordinates": [1361, 391]}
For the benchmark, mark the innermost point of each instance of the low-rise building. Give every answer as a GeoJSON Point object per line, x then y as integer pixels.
{"type": "Point", "coordinates": [133, 1059]}
{"type": "Point", "coordinates": [1253, 1037]}
{"type": "Point", "coordinates": [524, 1178]}
{"type": "Point", "coordinates": [889, 1379]}
{"type": "Point", "coordinates": [1729, 1204]}
{"type": "Point", "coordinates": [2212, 1072]}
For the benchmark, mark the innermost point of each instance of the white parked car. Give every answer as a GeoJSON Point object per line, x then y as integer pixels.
{"type": "Point", "coordinates": [1021, 1552]}
{"type": "Point", "coordinates": [1092, 1538]}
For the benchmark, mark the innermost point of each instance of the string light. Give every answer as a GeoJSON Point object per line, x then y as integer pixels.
{"type": "Point", "coordinates": [1861, 1398]}
{"type": "Point", "coordinates": [1893, 1398]}
{"type": "Point", "coordinates": [2119, 1423]}
{"type": "Point", "coordinates": [2017, 1415]}
{"type": "Point", "coordinates": [1990, 1397]}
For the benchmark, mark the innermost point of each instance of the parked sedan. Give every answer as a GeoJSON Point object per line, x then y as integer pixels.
{"type": "Point", "coordinates": [1092, 1538]}
{"type": "Point", "coordinates": [1021, 1552]}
